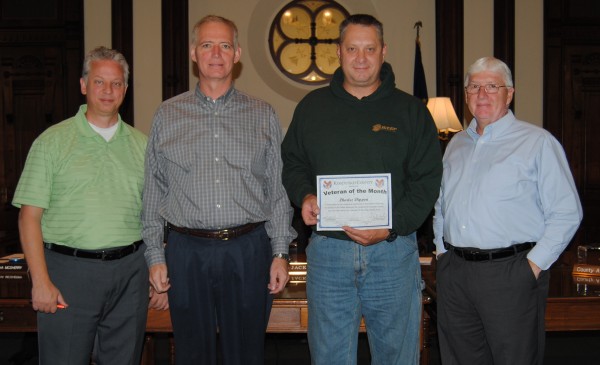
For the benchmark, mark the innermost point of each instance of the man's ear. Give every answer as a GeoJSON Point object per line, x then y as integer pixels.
{"type": "Point", "coordinates": [83, 86]}
{"type": "Point", "coordinates": [238, 55]}
{"type": "Point", "coordinates": [193, 53]}
{"type": "Point", "coordinates": [510, 95]}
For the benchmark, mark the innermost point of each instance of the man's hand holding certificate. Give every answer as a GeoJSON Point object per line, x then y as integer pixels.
{"type": "Point", "coordinates": [360, 201]}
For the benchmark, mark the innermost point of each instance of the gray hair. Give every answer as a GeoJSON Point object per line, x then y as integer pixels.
{"type": "Point", "coordinates": [490, 64]}
{"type": "Point", "coordinates": [105, 54]}
{"type": "Point", "coordinates": [365, 20]}
{"type": "Point", "coordinates": [216, 19]}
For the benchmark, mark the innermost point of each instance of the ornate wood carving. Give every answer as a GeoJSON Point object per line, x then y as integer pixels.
{"type": "Point", "coordinates": [572, 98]}
{"type": "Point", "coordinates": [40, 65]}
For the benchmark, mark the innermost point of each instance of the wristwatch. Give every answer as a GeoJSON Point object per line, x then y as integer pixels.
{"type": "Point", "coordinates": [284, 256]}
{"type": "Point", "coordinates": [392, 236]}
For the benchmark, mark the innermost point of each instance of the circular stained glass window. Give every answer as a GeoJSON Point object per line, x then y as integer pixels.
{"type": "Point", "coordinates": [303, 40]}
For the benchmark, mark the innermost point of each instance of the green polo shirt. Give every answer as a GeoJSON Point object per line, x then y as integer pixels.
{"type": "Point", "coordinates": [90, 189]}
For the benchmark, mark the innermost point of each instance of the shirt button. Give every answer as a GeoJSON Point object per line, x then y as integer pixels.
{"type": "Point", "coordinates": [216, 159]}
{"type": "Point", "coordinates": [219, 206]}
{"type": "Point", "coordinates": [217, 181]}
{"type": "Point", "coordinates": [216, 135]}
{"type": "Point", "coordinates": [216, 113]}
{"type": "Point", "coordinates": [463, 227]}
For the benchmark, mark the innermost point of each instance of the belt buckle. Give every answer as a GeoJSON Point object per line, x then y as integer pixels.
{"type": "Point", "coordinates": [110, 255]}
{"type": "Point", "coordinates": [471, 255]}
{"type": "Point", "coordinates": [224, 235]}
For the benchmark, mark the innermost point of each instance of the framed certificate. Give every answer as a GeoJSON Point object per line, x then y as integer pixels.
{"type": "Point", "coordinates": [361, 201]}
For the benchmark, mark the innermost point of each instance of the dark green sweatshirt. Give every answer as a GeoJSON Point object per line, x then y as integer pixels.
{"type": "Point", "coordinates": [389, 131]}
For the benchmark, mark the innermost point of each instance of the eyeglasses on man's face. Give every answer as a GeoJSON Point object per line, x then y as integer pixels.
{"type": "Point", "coordinates": [489, 88]}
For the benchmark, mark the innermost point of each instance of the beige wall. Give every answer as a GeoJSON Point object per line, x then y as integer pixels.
{"type": "Point", "coordinates": [147, 61]}
{"type": "Point", "coordinates": [97, 15]}
{"type": "Point", "coordinates": [529, 61]}
{"type": "Point", "coordinates": [260, 78]}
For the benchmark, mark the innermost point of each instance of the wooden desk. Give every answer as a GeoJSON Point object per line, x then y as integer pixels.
{"type": "Point", "coordinates": [288, 315]}
{"type": "Point", "coordinates": [569, 308]}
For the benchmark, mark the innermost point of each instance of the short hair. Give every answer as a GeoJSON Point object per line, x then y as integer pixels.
{"type": "Point", "coordinates": [491, 64]}
{"type": "Point", "coordinates": [216, 19]}
{"type": "Point", "coordinates": [362, 19]}
{"type": "Point", "coordinates": [105, 54]}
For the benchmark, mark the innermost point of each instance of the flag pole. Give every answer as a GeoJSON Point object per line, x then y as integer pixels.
{"type": "Point", "coordinates": [418, 26]}
{"type": "Point", "coordinates": [419, 82]}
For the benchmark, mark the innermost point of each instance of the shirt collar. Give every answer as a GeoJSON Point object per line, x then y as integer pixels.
{"type": "Point", "coordinates": [87, 131]}
{"type": "Point", "coordinates": [493, 130]}
{"type": "Point", "coordinates": [207, 100]}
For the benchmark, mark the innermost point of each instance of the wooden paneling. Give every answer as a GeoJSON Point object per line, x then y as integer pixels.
{"type": "Point", "coordinates": [504, 35]}
{"type": "Point", "coordinates": [122, 40]}
{"type": "Point", "coordinates": [572, 98]}
{"type": "Point", "coordinates": [449, 52]}
{"type": "Point", "coordinates": [41, 51]}
{"type": "Point", "coordinates": [504, 32]}
{"type": "Point", "coordinates": [175, 41]}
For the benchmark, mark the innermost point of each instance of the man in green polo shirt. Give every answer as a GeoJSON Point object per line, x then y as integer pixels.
{"type": "Point", "coordinates": [80, 196]}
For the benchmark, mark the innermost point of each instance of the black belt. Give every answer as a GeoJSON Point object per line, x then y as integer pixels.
{"type": "Point", "coordinates": [217, 234]}
{"type": "Point", "coordinates": [104, 255]}
{"type": "Point", "coordinates": [474, 254]}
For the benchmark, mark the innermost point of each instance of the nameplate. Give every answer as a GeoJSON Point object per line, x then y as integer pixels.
{"type": "Point", "coordinates": [586, 269]}
{"type": "Point", "coordinates": [587, 280]}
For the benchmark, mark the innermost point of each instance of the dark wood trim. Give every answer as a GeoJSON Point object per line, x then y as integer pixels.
{"type": "Point", "coordinates": [504, 34]}
{"type": "Point", "coordinates": [449, 16]}
{"type": "Point", "coordinates": [74, 53]}
{"type": "Point", "coordinates": [175, 47]}
{"type": "Point", "coordinates": [122, 40]}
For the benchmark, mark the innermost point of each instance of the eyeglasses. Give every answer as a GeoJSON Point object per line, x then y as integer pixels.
{"type": "Point", "coordinates": [489, 88]}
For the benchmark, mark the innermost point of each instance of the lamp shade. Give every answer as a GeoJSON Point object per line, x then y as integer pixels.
{"type": "Point", "coordinates": [443, 114]}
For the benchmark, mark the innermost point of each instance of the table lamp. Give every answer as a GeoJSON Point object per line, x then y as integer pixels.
{"type": "Point", "coordinates": [444, 117]}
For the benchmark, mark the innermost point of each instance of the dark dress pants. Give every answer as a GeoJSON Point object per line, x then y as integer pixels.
{"type": "Point", "coordinates": [219, 284]}
{"type": "Point", "coordinates": [490, 312]}
{"type": "Point", "coordinates": [108, 302]}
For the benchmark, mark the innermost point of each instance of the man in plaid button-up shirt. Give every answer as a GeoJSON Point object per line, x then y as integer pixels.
{"type": "Point", "coordinates": [213, 163]}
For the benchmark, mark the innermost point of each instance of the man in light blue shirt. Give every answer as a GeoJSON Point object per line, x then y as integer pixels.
{"type": "Point", "coordinates": [507, 209]}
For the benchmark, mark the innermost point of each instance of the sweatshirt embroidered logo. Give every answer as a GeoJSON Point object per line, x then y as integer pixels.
{"type": "Point", "coordinates": [383, 128]}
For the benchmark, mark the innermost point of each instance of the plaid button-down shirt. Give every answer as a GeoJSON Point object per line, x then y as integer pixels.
{"type": "Point", "coordinates": [214, 164]}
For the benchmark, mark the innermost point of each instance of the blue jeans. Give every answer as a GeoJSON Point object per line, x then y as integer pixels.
{"type": "Point", "coordinates": [381, 283]}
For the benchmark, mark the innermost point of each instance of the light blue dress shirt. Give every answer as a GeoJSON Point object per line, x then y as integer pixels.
{"type": "Point", "coordinates": [510, 185]}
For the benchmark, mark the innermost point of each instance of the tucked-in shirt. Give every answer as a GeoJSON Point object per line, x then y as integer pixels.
{"type": "Point", "coordinates": [90, 189]}
{"type": "Point", "coordinates": [214, 164]}
{"type": "Point", "coordinates": [510, 185]}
